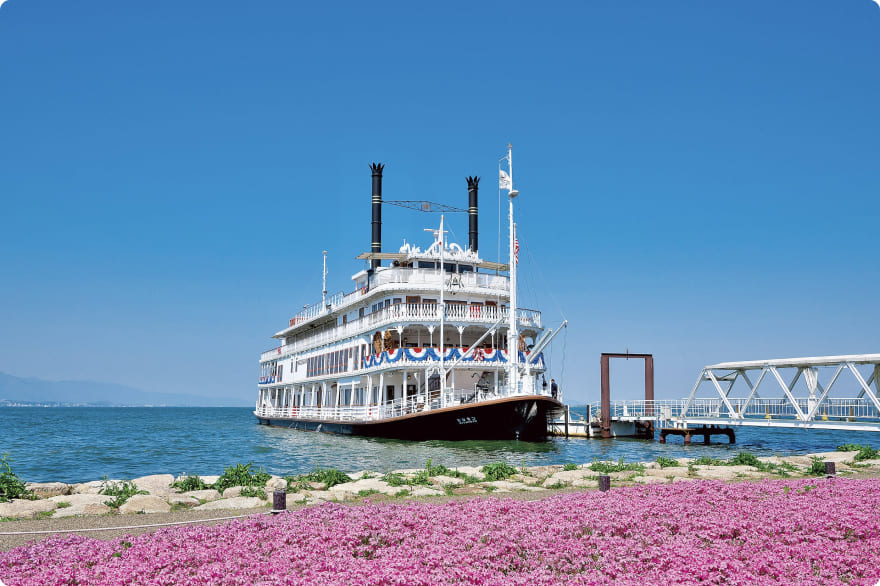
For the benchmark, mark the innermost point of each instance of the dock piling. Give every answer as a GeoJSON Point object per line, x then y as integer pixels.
{"type": "Point", "coordinates": [279, 501]}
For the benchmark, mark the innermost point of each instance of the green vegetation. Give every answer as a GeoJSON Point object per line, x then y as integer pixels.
{"type": "Point", "coordinates": [11, 486]}
{"type": "Point", "coordinates": [367, 492]}
{"type": "Point", "coordinates": [241, 475]}
{"type": "Point", "coordinates": [490, 488]}
{"type": "Point", "coordinates": [188, 483]}
{"type": "Point", "coordinates": [120, 491]}
{"type": "Point", "coordinates": [864, 452]}
{"type": "Point", "coordinates": [449, 489]}
{"type": "Point", "coordinates": [608, 467]}
{"type": "Point", "coordinates": [498, 471]}
{"type": "Point", "coordinates": [817, 467]}
{"type": "Point", "coordinates": [746, 459]}
{"type": "Point", "coordinates": [707, 461]}
{"type": "Point", "coordinates": [667, 462]}
{"type": "Point", "coordinates": [397, 479]}
{"type": "Point", "coordinates": [569, 466]}
{"type": "Point", "coordinates": [63, 505]}
{"type": "Point", "coordinates": [328, 477]}
{"type": "Point", "coordinates": [253, 491]}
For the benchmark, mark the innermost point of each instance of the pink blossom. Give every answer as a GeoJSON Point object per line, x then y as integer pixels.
{"type": "Point", "coordinates": [808, 531]}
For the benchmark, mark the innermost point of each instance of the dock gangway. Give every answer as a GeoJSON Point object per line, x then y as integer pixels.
{"type": "Point", "coordinates": [825, 392]}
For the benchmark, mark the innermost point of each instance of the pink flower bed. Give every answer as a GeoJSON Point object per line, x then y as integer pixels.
{"type": "Point", "coordinates": [808, 531]}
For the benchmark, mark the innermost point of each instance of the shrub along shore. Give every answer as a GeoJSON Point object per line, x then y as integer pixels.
{"type": "Point", "coordinates": [242, 487]}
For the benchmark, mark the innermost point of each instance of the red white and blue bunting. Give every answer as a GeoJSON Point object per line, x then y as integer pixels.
{"type": "Point", "coordinates": [433, 354]}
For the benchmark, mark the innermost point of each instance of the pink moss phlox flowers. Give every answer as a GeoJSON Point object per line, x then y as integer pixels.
{"type": "Point", "coordinates": [806, 531]}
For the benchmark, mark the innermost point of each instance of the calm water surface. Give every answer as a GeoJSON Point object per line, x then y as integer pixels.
{"type": "Point", "coordinates": [75, 444]}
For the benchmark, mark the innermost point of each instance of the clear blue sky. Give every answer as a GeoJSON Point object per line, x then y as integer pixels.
{"type": "Point", "coordinates": [698, 180]}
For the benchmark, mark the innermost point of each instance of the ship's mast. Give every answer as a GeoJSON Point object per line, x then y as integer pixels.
{"type": "Point", "coordinates": [442, 317]}
{"type": "Point", "coordinates": [512, 334]}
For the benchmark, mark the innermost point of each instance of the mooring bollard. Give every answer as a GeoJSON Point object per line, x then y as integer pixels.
{"type": "Point", "coordinates": [604, 483]}
{"type": "Point", "coordinates": [279, 501]}
{"type": "Point", "coordinates": [830, 469]}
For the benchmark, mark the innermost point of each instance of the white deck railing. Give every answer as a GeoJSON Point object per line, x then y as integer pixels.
{"type": "Point", "coordinates": [413, 404]}
{"type": "Point", "coordinates": [405, 312]}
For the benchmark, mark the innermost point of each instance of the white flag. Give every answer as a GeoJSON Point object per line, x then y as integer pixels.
{"type": "Point", "coordinates": [504, 180]}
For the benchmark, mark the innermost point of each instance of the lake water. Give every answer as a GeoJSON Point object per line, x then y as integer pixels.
{"type": "Point", "coordinates": [76, 444]}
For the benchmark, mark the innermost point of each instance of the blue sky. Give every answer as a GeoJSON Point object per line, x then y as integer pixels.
{"type": "Point", "coordinates": [698, 180]}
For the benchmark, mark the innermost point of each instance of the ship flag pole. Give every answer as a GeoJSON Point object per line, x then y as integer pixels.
{"type": "Point", "coordinates": [506, 181]}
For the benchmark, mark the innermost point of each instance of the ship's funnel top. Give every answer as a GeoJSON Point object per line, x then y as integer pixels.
{"type": "Point", "coordinates": [473, 184]}
{"type": "Point", "coordinates": [376, 246]}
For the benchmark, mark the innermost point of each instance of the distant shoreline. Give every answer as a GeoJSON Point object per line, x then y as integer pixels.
{"type": "Point", "coordinates": [26, 404]}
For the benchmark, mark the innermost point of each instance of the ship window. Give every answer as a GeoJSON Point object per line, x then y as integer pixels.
{"type": "Point", "coordinates": [387, 302]}
{"type": "Point", "coordinates": [465, 269]}
{"type": "Point", "coordinates": [396, 301]}
{"type": "Point", "coordinates": [361, 312]}
{"type": "Point", "coordinates": [425, 265]}
{"type": "Point", "coordinates": [449, 267]}
{"type": "Point", "coordinates": [413, 299]}
{"type": "Point", "coordinates": [344, 319]}
{"type": "Point", "coordinates": [429, 301]}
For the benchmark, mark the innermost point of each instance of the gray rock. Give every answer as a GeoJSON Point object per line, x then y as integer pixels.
{"type": "Point", "coordinates": [471, 471]}
{"type": "Point", "coordinates": [425, 491]}
{"type": "Point", "coordinates": [504, 485]}
{"type": "Point", "coordinates": [208, 494]}
{"type": "Point", "coordinates": [90, 509]}
{"type": "Point", "coordinates": [91, 487]}
{"type": "Point", "coordinates": [276, 483]}
{"type": "Point", "coordinates": [232, 492]}
{"type": "Point", "coordinates": [47, 489]}
{"type": "Point", "coordinates": [568, 476]}
{"type": "Point", "coordinates": [182, 499]}
{"type": "Point", "coordinates": [239, 502]}
{"type": "Point", "coordinates": [681, 471]}
{"type": "Point", "coordinates": [837, 457]}
{"type": "Point", "coordinates": [25, 509]}
{"type": "Point", "coordinates": [144, 503]}
{"type": "Point", "coordinates": [447, 480]}
{"type": "Point", "coordinates": [649, 479]}
{"type": "Point", "coordinates": [157, 484]}
{"type": "Point", "coordinates": [727, 472]}
{"type": "Point", "coordinates": [357, 486]}
{"type": "Point", "coordinates": [81, 500]}
{"type": "Point", "coordinates": [585, 483]}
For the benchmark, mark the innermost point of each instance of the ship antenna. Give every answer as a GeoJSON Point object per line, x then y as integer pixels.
{"type": "Point", "coordinates": [324, 290]}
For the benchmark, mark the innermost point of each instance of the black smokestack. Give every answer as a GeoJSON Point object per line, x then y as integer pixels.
{"type": "Point", "coordinates": [473, 183]}
{"type": "Point", "coordinates": [377, 212]}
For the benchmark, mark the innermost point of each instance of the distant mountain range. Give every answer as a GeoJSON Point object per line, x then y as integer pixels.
{"type": "Point", "coordinates": [33, 391]}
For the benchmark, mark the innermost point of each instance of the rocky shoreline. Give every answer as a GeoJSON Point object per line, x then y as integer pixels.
{"type": "Point", "coordinates": [56, 500]}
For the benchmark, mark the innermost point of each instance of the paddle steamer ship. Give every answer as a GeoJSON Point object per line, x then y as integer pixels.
{"type": "Point", "coordinates": [428, 345]}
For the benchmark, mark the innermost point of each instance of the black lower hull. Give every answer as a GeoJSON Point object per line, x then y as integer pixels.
{"type": "Point", "coordinates": [515, 418]}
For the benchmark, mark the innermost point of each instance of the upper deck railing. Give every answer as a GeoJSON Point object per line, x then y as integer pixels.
{"type": "Point", "coordinates": [429, 278]}
{"type": "Point", "coordinates": [409, 313]}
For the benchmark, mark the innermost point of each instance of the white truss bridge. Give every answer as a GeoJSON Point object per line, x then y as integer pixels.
{"type": "Point", "coordinates": [825, 392]}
